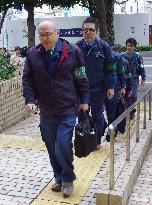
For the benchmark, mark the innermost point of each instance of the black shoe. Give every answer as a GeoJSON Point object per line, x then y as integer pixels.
{"type": "Point", "coordinates": [56, 187]}
{"type": "Point", "coordinates": [132, 117]}
{"type": "Point", "coordinates": [108, 138]}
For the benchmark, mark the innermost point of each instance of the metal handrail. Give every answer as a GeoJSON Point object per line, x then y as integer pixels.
{"type": "Point", "coordinates": [112, 126]}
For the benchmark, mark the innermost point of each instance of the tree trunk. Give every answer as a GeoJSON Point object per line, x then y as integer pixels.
{"type": "Point", "coordinates": [101, 13]}
{"type": "Point", "coordinates": [30, 24]}
{"type": "Point", "coordinates": [109, 7]}
{"type": "Point", "coordinates": [2, 20]}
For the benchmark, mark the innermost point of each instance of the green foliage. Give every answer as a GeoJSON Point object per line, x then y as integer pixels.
{"type": "Point", "coordinates": [144, 48]}
{"type": "Point", "coordinates": [140, 48]}
{"type": "Point", "coordinates": [7, 70]}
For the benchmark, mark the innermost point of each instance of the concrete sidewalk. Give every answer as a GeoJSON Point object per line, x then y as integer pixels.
{"type": "Point", "coordinates": [25, 171]}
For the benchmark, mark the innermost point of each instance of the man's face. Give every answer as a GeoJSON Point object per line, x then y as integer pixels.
{"type": "Point", "coordinates": [48, 36]}
{"type": "Point", "coordinates": [89, 32]}
{"type": "Point", "coordinates": [130, 47]}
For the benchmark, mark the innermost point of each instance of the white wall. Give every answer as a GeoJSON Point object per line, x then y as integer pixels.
{"type": "Point", "coordinates": [131, 25]}
{"type": "Point", "coordinates": [17, 29]}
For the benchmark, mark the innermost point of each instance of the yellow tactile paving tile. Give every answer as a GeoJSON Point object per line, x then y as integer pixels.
{"type": "Point", "coordinates": [10, 141]}
{"type": "Point", "coordinates": [86, 169]}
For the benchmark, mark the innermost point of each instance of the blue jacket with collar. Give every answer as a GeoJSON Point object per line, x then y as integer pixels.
{"type": "Point", "coordinates": [135, 63]}
{"type": "Point", "coordinates": [99, 63]}
{"type": "Point", "coordinates": [121, 74]}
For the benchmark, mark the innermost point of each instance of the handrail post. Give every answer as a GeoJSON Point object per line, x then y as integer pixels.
{"type": "Point", "coordinates": [150, 105]}
{"type": "Point", "coordinates": [137, 122]}
{"type": "Point", "coordinates": [144, 124]}
{"type": "Point", "coordinates": [128, 137]}
{"type": "Point", "coordinates": [111, 174]}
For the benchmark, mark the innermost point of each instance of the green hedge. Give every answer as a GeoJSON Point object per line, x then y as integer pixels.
{"type": "Point", "coordinates": [141, 48]}
{"type": "Point", "coordinates": [7, 70]}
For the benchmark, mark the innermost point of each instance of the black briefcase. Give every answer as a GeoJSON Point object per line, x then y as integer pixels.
{"type": "Point", "coordinates": [85, 140]}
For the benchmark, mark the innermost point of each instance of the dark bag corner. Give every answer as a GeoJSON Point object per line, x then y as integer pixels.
{"type": "Point", "coordinates": [85, 140]}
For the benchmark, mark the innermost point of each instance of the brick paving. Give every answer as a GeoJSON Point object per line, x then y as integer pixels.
{"type": "Point", "coordinates": [24, 165]}
{"type": "Point", "coordinates": [25, 169]}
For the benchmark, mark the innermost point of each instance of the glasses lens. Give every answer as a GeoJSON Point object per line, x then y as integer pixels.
{"type": "Point", "coordinates": [88, 29]}
{"type": "Point", "coordinates": [45, 35]}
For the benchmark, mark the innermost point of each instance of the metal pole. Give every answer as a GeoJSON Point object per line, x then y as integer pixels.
{"type": "Point", "coordinates": [111, 174]}
{"type": "Point", "coordinates": [128, 137]}
{"type": "Point", "coordinates": [144, 124]}
{"type": "Point", "coordinates": [137, 122]}
{"type": "Point", "coordinates": [150, 105]}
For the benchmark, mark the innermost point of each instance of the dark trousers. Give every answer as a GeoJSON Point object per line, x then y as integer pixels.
{"type": "Point", "coordinates": [97, 108]}
{"type": "Point", "coordinates": [111, 107]}
{"type": "Point", "coordinates": [133, 98]}
{"type": "Point", "coordinates": [57, 135]}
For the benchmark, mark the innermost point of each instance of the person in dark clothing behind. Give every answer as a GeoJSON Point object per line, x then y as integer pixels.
{"type": "Point", "coordinates": [100, 70]}
{"type": "Point", "coordinates": [54, 77]}
{"type": "Point", "coordinates": [136, 66]}
{"type": "Point", "coordinates": [123, 86]}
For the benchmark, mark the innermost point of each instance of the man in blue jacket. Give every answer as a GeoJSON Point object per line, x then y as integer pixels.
{"type": "Point", "coordinates": [54, 78]}
{"type": "Point", "coordinates": [123, 87]}
{"type": "Point", "coordinates": [136, 66]}
{"type": "Point", "coordinates": [100, 70]}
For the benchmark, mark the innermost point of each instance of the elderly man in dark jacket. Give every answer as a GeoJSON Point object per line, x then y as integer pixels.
{"type": "Point", "coordinates": [54, 78]}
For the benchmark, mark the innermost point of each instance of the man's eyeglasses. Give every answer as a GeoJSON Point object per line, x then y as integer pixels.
{"type": "Point", "coordinates": [88, 29]}
{"type": "Point", "coordinates": [43, 35]}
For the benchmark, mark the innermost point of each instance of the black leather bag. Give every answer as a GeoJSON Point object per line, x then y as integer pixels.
{"type": "Point", "coordinates": [85, 140]}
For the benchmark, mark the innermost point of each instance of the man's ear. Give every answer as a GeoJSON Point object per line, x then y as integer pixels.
{"type": "Point", "coordinates": [97, 31]}
{"type": "Point", "coordinates": [58, 32]}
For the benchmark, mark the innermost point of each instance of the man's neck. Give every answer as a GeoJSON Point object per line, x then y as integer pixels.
{"type": "Point", "coordinates": [89, 42]}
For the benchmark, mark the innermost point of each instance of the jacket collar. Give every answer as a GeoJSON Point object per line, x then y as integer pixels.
{"type": "Point", "coordinates": [62, 45]}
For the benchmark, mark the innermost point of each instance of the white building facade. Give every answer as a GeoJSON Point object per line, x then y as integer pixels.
{"type": "Point", "coordinates": [132, 6]}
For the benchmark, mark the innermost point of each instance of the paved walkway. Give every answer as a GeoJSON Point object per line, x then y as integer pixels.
{"type": "Point", "coordinates": [142, 193]}
{"type": "Point", "coordinates": [25, 172]}
{"type": "Point", "coordinates": [26, 175]}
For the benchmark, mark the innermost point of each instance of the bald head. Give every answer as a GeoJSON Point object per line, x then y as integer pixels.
{"type": "Point", "coordinates": [48, 34]}
{"type": "Point", "coordinates": [48, 24]}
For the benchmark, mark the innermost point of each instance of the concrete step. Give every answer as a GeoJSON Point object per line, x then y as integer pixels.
{"type": "Point", "coordinates": [126, 172]}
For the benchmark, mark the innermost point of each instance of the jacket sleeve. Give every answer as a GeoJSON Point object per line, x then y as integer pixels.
{"type": "Point", "coordinates": [141, 67]}
{"type": "Point", "coordinates": [110, 66]}
{"type": "Point", "coordinates": [28, 82]}
{"type": "Point", "coordinates": [121, 75]}
{"type": "Point", "coordinates": [129, 79]}
{"type": "Point", "coordinates": [81, 80]}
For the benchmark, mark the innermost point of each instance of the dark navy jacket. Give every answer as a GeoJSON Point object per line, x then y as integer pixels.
{"type": "Point", "coordinates": [100, 66]}
{"type": "Point", "coordinates": [129, 79]}
{"type": "Point", "coordinates": [57, 90]}
{"type": "Point", "coordinates": [121, 75]}
{"type": "Point", "coordinates": [135, 63]}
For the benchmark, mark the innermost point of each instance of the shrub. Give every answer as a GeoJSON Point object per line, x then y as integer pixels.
{"type": "Point", "coordinates": [140, 48]}
{"type": "Point", "coordinates": [7, 70]}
